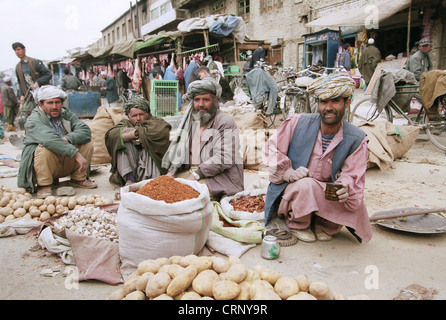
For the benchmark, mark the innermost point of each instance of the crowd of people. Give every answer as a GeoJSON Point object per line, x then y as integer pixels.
{"type": "Point", "coordinates": [307, 152]}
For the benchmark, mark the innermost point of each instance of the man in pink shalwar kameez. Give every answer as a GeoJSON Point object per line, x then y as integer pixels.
{"type": "Point", "coordinates": [299, 181]}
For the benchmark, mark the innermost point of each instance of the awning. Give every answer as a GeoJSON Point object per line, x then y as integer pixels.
{"type": "Point", "coordinates": [125, 48]}
{"type": "Point", "coordinates": [362, 16]}
{"type": "Point", "coordinates": [152, 42]}
{"type": "Point", "coordinates": [101, 51]}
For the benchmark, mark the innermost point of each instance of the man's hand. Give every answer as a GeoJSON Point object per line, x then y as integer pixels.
{"type": "Point", "coordinates": [342, 193]}
{"type": "Point", "coordinates": [170, 175]}
{"type": "Point", "coordinates": [83, 164]}
{"type": "Point", "coordinates": [299, 173]}
{"type": "Point", "coordinates": [35, 86]}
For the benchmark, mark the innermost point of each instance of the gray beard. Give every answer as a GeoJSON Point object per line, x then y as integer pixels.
{"type": "Point", "coordinates": [203, 117]}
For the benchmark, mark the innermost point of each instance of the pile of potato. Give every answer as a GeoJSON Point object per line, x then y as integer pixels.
{"type": "Point", "coordinates": [19, 203]}
{"type": "Point", "coordinates": [207, 278]}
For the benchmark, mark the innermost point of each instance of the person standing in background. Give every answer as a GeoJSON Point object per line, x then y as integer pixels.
{"type": "Point", "coordinates": [10, 103]}
{"type": "Point", "coordinates": [70, 81]}
{"type": "Point", "coordinates": [111, 90]}
{"type": "Point", "coordinates": [258, 54]}
{"type": "Point", "coordinates": [31, 74]}
{"type": "Point", "coordinates": [369, 60]}
{"type": "Point", "coordinates": [345, 58]}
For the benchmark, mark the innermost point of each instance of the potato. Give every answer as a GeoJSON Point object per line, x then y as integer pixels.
{"type": "Point", "coordinates": [188, 260]}
{"type": "Point", "coordinates": [286, 287]}
{"type": "Point", "coordinates": [164, 268]}
{"type": "Point", "coordinates": [27, 204]}
{"type": "Point", "coordinates": [237, 272]}
{"type": "Point", "coordinates": [175, 259]}
{"type": "Point", "coordinates": [141, 282]}
{"type": "Point", "coordinates": [163, 297]}
{"type": "Point", "coordinates": [4, 201]}
{"type": "Point", "coordinates": [2, 218]}
{"type": "Point", "coordinates": [303, 282]}
{"type": "Point", "coordinates": [302, 296]}
{"type": "Point", "coordinates": [64, 201]}
{"type": "Point", "coordinates": [44, 216]}
{"type": "Point", "coordinates": [117, 294]}
{"type": "Point", "coordinates": [157, 284]}
{"type": "Point", "coordinates": [148, 265]}
{"type": "Point", "coordinates": [203, 282]}
{"type": "Point", "coordinates": [16, 205]}
{"type": "Point", "coordinates": [50, 200]}
{"type": "Point", "coordinates": [321, 291]}
{"type": "Point", "coordinates": [182, 281]}
{"type": "Point", "coordinates": [38, 202]}
{"type": "Point", "coordinates": [6, 211]}
{"type": "Point", "coordinates": [27, 215]}
{"type": "Point", "coordinates": [220, 265]}
{"type": "Point", "coordinates": [234, 260]}
{"type": "Point", "coordinates": [43, 207]}
{"type": "Point", "coordinates": [263, 293]}
{"type": "Point", "coordinates": [202, 263]}
{"type": "Point", "coordinates": [60, 209]}
{"type": "Point", "coordinates": [51, 208]}
{"type": "Point", "coordinates": [34, 213]}
{"type": "Point", "coordinates": [225, 290]}
{"type": "Point", "coordinates": [9, 218]}
{"type": "Point", "coordinates": [270, 275]}
{"type": "Point", "coordinates": [174, 270]}
{"type": "Point", "coordinates": [130, 284]}
{"type": "Point", "coordinates": [252, 276]}
{"type": "Point", "coordinates": [245, 287]}
{"type": "Point", "coordinates": [20, 212]}
{"type": "Point", "coordinates": [191, 296]}
{"type": "Point", "coordinates": [71, 204]}
{"type": "Point", "coordinates": [21, 190]}
{"type": "Point", "coordinates": [259, 284]}
{"type": "Point", "coordinates": [163, 261]}
{"type": "Point", "coordinates": [135, 295]}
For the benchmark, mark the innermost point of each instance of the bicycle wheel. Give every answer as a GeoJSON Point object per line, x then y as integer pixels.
{"type": "Point", "coordinates": [365, 110]}
{"type": "Point", "coordinates": [436, 128]}
{"type": "Point", "coordinates": [292, 104]}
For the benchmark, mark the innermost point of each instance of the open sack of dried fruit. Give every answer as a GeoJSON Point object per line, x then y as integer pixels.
{"type": "Point", "coordinates": [162, 217]}
{"type": "Point", "coordinates": [245, 205]}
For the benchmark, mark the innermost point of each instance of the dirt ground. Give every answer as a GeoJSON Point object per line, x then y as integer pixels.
{"type": "Point", "coordinates": [380, 269]}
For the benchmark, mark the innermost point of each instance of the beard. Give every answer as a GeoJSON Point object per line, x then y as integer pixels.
{"type": "Point", "coordinates": [204, 117]}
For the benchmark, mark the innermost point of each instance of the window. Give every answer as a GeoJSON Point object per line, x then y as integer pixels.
{"type": "Point", "coordinates": [199, 13]}
{"type": "Point", "coordinates": [268, 5]}
{"type": "Point", "coordinates": [155, 13]}
{"type": "Point", "coordinates": [218, 7]}
{"type": "Point", "coordinates": [117, 34]}
{"type": "Point", "coordinates": [124, 32]}
{"type": "Point", "coordinates": [243, 7]}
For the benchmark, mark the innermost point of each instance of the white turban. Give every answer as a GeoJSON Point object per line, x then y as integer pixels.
{"type": "Point", "coordinates": [371, 41]}
{"type": "Point", "coordinates": [332, 86]}
{"type": "Point", "coordinates": [103, 73]}
{"type": "Point", "coordinates": [49, 92]}
{"type": "Point", "coordinates": [6, 79]}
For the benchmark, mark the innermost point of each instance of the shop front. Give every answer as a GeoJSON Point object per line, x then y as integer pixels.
{"type": "Point", "coordinates": [321, 45]}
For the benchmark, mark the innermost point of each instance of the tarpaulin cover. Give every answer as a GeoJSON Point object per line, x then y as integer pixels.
{"type": "Point", "coordinates": [362, 16]}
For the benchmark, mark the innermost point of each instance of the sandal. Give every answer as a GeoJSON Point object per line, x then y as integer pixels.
{"type": "Point", "coordinates": [85, 184]}
{"type": "Point", "coordinates": [43, 192]}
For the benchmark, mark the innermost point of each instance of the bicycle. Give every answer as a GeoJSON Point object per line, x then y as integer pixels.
{"type": "Point", "coordinates": [435, 128]}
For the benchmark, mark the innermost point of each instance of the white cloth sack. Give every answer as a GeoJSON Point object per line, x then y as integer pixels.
{"type": "Point", "coordinates": [227, 246]}
{"type": "Point", "coordinates": [56, 244]}
{"type": "Point", "coordinates": [229, 211]}
{"type": "Point", "coordinates": [18, 226]}
{"type": "Point", "coordinates": [150, 229]}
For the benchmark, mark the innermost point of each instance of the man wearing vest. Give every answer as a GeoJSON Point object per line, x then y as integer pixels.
{"type": "Point", "coordinates": [31, 74]}
{"type": "Point", "coordinates": [307, 152]}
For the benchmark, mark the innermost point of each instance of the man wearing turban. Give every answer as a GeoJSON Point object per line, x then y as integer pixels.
{"type": "Point", "coordinates": [137, 144]}
{"type": "Point", "coordinates": [57, 145]}
{"type": "Point", "coordinates": [307, 152]}
{"type": "Point", "coordinates": [206, 147]}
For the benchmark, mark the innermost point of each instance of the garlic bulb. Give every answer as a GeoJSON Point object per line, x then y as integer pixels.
{"type": "Point", "coordinates": [90, 221]}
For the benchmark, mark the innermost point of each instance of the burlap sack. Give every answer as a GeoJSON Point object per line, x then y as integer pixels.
{"type": "Point", "coordinates": [401, 138]}
{"type": "Point", "coordinates": [104, 119]}
{"type": "Point", "coordinates": [379, 152]}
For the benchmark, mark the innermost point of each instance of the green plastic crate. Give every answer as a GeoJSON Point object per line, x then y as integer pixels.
{"type": "Point", "coordinates": [164, 98]}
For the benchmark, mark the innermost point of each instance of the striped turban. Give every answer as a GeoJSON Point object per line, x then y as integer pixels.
{"type": "Point", "coordinates": [137, 102]}
{"type": "Point", "coordinates": [332, 86]}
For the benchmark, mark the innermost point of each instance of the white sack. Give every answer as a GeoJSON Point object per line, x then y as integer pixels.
{"type": "Point", "coordinates": [150, 229]}
{"type": "Point", "coordinates": [229, 211]}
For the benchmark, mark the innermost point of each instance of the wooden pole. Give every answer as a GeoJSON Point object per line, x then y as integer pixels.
{"type": "Point", "coordinates": [408, 29]}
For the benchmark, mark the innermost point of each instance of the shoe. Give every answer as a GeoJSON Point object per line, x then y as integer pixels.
{"type": "Point", "coordinates": [321, 235]}
{"type": "Point", "coordinates": [305, 235]}
{"type": "Point", "coordinates": [43, 192]}
{"type": "Point", "coordinates": [86, 184]}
